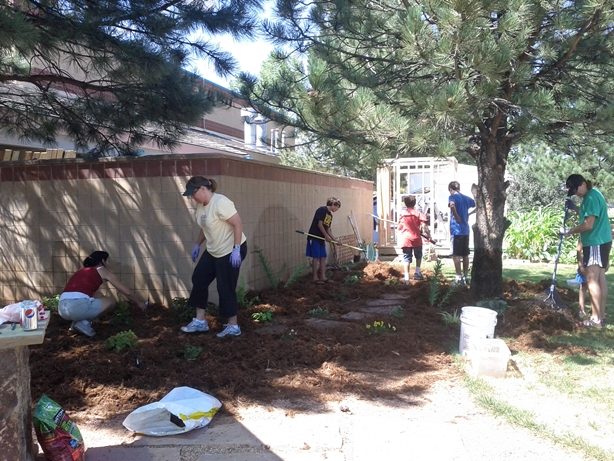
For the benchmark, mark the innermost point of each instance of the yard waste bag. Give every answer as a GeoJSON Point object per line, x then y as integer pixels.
{"type": "Point", "coordinates": [57, 435]}
{"type": "Point", "coordinates": [179, 411]}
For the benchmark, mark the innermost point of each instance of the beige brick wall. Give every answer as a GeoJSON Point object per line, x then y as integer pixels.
{"type": "Point", "coordinates": [56, 212]}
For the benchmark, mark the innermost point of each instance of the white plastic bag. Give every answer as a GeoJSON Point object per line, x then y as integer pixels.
{"type": "Point", "coordinates": [179, 411]}
{"type": "Point", "coordinates": [12, 312]}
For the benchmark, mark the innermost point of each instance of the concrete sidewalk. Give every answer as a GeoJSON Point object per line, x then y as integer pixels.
{"type": "Point", "coordinates": [444, 424]}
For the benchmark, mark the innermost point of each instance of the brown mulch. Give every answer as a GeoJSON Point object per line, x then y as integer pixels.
{"type": "Point", "coordinates": [290, 357]}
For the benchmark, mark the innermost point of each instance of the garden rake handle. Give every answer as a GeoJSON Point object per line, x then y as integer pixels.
{"type": "Point", "coordinates": [558, 255]}
{"type": "Point", "coordinates": [322, 238]}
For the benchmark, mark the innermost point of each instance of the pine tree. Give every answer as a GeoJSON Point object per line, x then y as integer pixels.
{"type": "Point", "coordinates": [442, 77]}
{"type": "Point", "coordinates": [109, 74]}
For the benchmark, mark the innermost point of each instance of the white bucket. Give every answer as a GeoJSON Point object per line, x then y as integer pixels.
{"type": "Point", "coordinates": [476, 323]}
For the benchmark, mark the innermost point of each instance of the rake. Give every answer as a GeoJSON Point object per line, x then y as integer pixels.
{"type": "Point", "coordinates": [336, 243]}
{"type": "Point", "coordinates": [553, 299]}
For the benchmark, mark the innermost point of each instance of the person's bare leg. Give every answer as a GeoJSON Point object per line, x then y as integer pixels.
{"type": "Point", "coordinates": [314, 268]}
{"type": "Point", "coordinates": [322, 268]}
{"type": "Point", "coordinates": [593, 278]}
{"type": "Point", "coordinates": [604, 293]}
{"type": "Point", "coordinates": [406, 270]}
{"type": "Point", "coordinates": [457, 265]}
{"type": "Point", "coordinates": [582, 298]}
{"type": "Point", "coordinates": [232, 320]}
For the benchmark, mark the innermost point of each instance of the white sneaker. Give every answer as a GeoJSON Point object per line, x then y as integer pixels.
{"type": "Point", "coordinates": [196, 326]}
{"type": "Point", "coordinates": [458, 282]}
{"type": "Point", "coordinates": [229, 330]}
{"type": "Point", "coordinates": [84, 327]}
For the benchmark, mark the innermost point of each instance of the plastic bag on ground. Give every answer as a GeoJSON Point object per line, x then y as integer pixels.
{"type": "Point", "coordinates": [57, 435]}
{"type": "Point", "coordinates": [179, 411]}
{"type": "Point", "coordinates": [12, 312]}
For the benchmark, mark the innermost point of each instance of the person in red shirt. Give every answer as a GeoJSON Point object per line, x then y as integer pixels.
{"type": "Point", "coordinates": [412, 224]}
{"type": "Point", "coordinates": [81, 302]}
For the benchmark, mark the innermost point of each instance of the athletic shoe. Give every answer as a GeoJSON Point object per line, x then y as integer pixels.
{"type": "Point", "coordinates": [229, 330]}
{"type": "Point", "coordinates": [83, 327]}
{"type": "Point", "coordinates": [196, 326]}
{"type": "Point", "coordinates": [466, 280]}
{"type": "Point", "coordinates": [418, 276]}
{"type": "Point", "coordinates": [589, 323]}
{"type": "Point", "coordinates": [458, 283]}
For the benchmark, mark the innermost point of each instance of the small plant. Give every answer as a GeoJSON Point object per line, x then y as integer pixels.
{"type": "Point", "coordinates": [497, 305]}
{"type": "Point", "coordinates": [397, 312]}
{"type": "Point", "coordinates": [296, 275]}
{"type": "Point", "coordinates": [351, 280]}
{"type": "Point", "coordinates": [191, 352]}
{"type": "Point", "coordinates": [290, 335]}
{"type": "Point", "coordinates": [124, 340]}
{"type": "Point", "coordinates": [448, 296]}
{"type": "Point", "coordinates": [242, 299]}
{"type": "Point", "coordinates": [273, 278]}
{"type": "Point", "coordinates": [391, 281]}
{"type": "Point", "coordinates": [379, 328]}
{"type": "Point", "coordinates": [319, 312]}
{"type": "Point", "coordinates": [434, 287]}
{"type": "Point", "coordinates": [183, 313]}
{"type": "Point", "coordinates": [450, 319]}
{"type": "Point", "coordinates": [263, 316]}
{"type": "Point", "coordinates": [50, 303]}
{"type": "Point", "coordinates": [340, 296]}
{"type": "Point", "coordinates": [121, 313]}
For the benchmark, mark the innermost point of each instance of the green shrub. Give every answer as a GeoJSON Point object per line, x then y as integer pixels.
{"type": "Point", "coordinates": [191, 352]}
{"type": "Point", "coordinates": [122, 313]}
{"type": "Point", "coordinates": [181, 311]}
{"type": "Point", "coordinates": [534, 235]}
{"type": "Point", "coordinates": [263, 316]}
{"type": "Point", "coordinates": [51, 303]}
{"type": "Point", "coordinates": [450, 318]}
{"type": "Point", "coordinates": [242, 298]}
{"type": "Point", "coordinates": [397, 312]}
{"type": "Point", "coordinates": [351, 280]}
{"type": "Point", "coordinates": [319, 312]}
{"type": "Point", "coordinates": [124, 340]}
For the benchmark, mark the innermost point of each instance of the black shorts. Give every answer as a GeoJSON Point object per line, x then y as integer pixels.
{"type": "Point", "coordinates": [597, 255]}
{"type": "Point", "coordinates": [460, 245]}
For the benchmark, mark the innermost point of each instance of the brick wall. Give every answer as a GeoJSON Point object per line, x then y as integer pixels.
{"type": "Point", "coordinates": [56, 212]}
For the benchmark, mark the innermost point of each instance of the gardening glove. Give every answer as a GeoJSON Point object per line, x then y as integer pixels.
{"type": "Point", "coordinates": [195, 252]}
{"type": "Point", "coordinates": [235, 257]}
{"type": "Point", "coordinates": [563, 231]}
{"type": "Point", "coordinates": [570, 205]}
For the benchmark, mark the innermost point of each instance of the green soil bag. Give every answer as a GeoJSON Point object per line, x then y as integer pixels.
{"type": "Point", "coordinates": [57, 435]}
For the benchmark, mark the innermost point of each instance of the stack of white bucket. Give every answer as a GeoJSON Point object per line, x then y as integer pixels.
{"type": "Point", "coordinates": [488, 356]}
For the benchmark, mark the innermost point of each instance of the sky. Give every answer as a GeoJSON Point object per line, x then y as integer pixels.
{"type": "Point", "coordinates": [249, 54]}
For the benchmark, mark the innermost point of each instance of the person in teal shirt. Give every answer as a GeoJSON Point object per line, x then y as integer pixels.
{"type": "Point", "coordinates": [596, 236]}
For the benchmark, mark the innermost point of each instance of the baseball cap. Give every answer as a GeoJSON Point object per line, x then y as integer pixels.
{"type": "Point", "coordinates": [573, 182]}
{"type": "Point", "coordinates": [194, 184]}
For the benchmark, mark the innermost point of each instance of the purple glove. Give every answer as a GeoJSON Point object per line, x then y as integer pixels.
{"type": "Point", "coordinates": [235, 257]}
{"type": "Point", "coordinates": [195, 252]}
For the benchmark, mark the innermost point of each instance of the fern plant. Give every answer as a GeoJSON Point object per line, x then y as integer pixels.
{"type": "Point", "coordinates": [273, 277]}
{"type": "Point", "coordinates": [434, 287]}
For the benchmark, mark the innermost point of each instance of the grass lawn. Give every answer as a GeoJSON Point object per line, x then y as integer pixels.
{"type": "Point", "coordinates": [566, 396]}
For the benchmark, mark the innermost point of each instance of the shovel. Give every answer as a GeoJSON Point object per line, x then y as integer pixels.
{"type": "Point", "coordinates": [337, 243]}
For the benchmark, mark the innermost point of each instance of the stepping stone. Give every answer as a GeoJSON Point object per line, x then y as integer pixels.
{"type": "Point", "coordinates": [384, 310]}
{"type": "Point", "coordinates": [354, 316]}
{"type": "Point", "coordinates": [396, 296]}
{"type": "Point", "coordinates": [323, 323]}
{"type": "Point", "coordinates": [383, 302]}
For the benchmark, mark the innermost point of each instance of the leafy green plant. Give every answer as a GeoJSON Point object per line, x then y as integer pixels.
{"type": "Point", "coordinates": [533, 234]}
{"type": "Point", "coordinates": [448, 296]}
{"type": "Point", "coordinates": [290, 335]}
{"type": "Point", "coordinates": [397, 312]}
{"type": "Point", "coordinates": [124, 340]}
{"type": "Point", "coordinates": [340, 296]}
{"type": "Point", "coordinates": [272, 277]}
{"type": "Point", "coordinates": [242, 298]}
{"type": "Point", "coordinates": [450, 319]}
{"type": "Point", "coordinates": [497, 305]}
{"type": "Point", "coordinates": [351, 280]}
{"type": "Point", "coordinates": [122, 313]}
{"type": "Point", "coordinates": [391, 281]}
{"type": "Point", "coordinates": [434, 287]}
{"type": "Point", "coordinates": [263, 316]}
{"type": "Point", "coordinates": [181, 311]}
{"type": "Point", "coordinates": [296, 275]}
{"type": "Point", "coordinates": [50, 303]}
{"type": "Point", "coordinates": [191, 352]}
{"type": "Point", "coordinates": [380, 327]}
{"type": "Point", "coordinates": [319, 312]}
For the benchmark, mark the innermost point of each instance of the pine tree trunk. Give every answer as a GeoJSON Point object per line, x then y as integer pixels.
{"type": "Point", "coordinates": [490, 194]}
